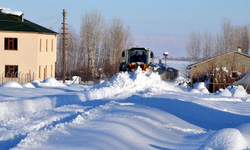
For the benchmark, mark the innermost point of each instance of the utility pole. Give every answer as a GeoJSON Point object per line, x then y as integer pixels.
{"type": "Point", "coordinates": [64, 45]}
{"type": "Point", "coordinates": [165, 54]}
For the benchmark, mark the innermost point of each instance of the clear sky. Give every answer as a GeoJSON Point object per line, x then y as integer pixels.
{"type": "Point", "coordinates": [149, 18]}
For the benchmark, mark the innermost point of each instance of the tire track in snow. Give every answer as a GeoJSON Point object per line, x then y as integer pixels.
{"type": "Point", "coordinates": [60, 115]}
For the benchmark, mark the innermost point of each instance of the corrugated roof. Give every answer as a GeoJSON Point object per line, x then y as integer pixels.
{"type": "Point", "coordinates": [14, 23]}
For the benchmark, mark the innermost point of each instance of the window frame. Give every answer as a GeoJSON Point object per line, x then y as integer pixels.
{"type": "Point", "coordinates": [10, 43]}
{"type": "Point", "coordinates": [11, 71]}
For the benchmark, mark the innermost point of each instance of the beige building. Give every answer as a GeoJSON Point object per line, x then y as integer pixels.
{"type": "Point", "coordinates": [27, 50]}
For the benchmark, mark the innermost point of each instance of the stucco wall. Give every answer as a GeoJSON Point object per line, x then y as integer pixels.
{"type": "Point", "coordinates": [46, 57]}
{"type": "Point", "coordinates": [28, 56]}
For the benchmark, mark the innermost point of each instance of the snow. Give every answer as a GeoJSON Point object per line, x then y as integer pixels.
{"type": "Point", "coordinates": [28, 85]}
{"type": "Point", "coordinates": [49, 82]}
{"type": "Point", "coordinates": [131, 111]}
{"type": "Point", "coordinates": [9, 11]}
{"type": "Point", "coordinates": [227, 139]}
{"type": "Point", "coordinates": [12, 84]}
{"type": "Point", "coordinates": [234, 91]}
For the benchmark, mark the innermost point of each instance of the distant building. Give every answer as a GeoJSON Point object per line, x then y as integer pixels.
{"type": "Point", "coordinates": [166, 74]}
{"type": "Point", "coordinates": [27, 50]}
{"type": "Point", "coordinates": [222, 70]}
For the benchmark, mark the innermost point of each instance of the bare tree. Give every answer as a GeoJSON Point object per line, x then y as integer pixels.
{"type": "Point", "coordinates": [91, 34]}
{"type": "Point", "coordinates": [226, 30]}
{"type": "Point", "coordinates": [116, 38]}
{"type": "Point", "coordinates": [234, 36]}
{"type": "Point", "coordinates": [72, 50]}
{"type": "Point", "coordinates": [59, 62]}
{"type": "Point", "coordinates": [245, 41]}
{"type": "Point", "coordinates": [99, 44]}
{"type": "Point", "coordinates": [193, 46]}
{"type": "Point", "coordinates": [207, 45]}
{"type": "Point", "coordinates": [219, 50]}
{"type": "Point", "coordinates": [227, 40]}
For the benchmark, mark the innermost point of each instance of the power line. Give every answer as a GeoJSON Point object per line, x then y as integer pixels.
{"type": "Point", "coordinates": [49, 17]}
{"type": "Point", "coordinates": [56, 21]}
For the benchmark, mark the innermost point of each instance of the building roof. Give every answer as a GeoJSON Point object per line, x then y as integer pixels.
{"type": "Point", "coordinates": [208, 60]}
{"type": "Point", "coordinates": [9, 22]}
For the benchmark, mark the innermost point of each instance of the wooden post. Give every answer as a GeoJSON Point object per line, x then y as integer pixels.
{"type": "Point", "coordinates": [64, 48]}
{"type": "Point", "coordinates": [191, 77]}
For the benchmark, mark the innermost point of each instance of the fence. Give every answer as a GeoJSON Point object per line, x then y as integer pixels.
{"type": "Point", "coordinates": [16, 76]}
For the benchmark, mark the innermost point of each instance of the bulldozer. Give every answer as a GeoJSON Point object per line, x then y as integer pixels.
{"type": "Point", "coordinates": [134, 57]}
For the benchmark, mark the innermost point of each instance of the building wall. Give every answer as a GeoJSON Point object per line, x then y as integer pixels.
{"type": "Point", "coordinates": [28, 55]}
{"type": "Point", "coordinates": [46, 57]}
{"type": "Point", "coordinates": [232, 62]}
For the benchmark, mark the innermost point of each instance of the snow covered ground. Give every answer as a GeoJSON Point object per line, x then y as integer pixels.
{"type": "Point", "coordinates": [131, 111]}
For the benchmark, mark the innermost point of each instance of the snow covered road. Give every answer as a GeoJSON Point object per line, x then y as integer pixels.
{"type": "Point", "coordinates": [132, 111]}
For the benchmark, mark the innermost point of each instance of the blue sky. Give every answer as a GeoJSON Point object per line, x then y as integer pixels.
{"type": "Point", "coordinates": [150, 18]}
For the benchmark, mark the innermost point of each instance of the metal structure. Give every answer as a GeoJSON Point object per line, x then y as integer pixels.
{"type": "Point", "coordinates": [19, 77]}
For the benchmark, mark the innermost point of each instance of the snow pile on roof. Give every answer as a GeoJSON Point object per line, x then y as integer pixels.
{"type": "Point", "coordinates": [11, 12]}
{"type": "Point", "coordinates": [228, 138]}
{"type": "Point", "coordinates": [11, 84]}
{"type": "Point", "coordinates": [48, 82]}
{"type": "Point", "coordinates": [4, 8]}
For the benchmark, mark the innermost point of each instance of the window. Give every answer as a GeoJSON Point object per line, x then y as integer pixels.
{"type": "Point", "coordinates": [45, 72]}
{"type": "Point", "coordinates": [10, 43]}
{"type": "Point", "coordinates": [39, 71]}
{"type": "Point", "coordinates": [51, 70]}
{"type": "Point", "coordinates": [40, 45]}
{"type": "Point", "coordinates": [46, 45]}
{"type": "Point", "coordinates": [52, 45]}
{"type": "Point", "coordinates": [11, 71]}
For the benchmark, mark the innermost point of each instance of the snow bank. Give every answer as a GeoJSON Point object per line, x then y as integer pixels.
{"type": "Point", "coordinates": [48, 82]}
{"type": "Point", "coordinates": [12, 109]}
{"type": "Point", "coordinates": [28, 85]}
{"type": "Point", "coordinates": [226, 139]}
{"type": "Point", "coordinates": [234, 91]}
{"type": "Point", "coordinates": [180, 80]}
{"type": "Point", "coordinates": [11, 84]}
{"type": "Point", "coordinates": [199, 87]}
{"type": "Point", "coordinates": [238, 91]}
{"type": "Point", "coordinates": [245, 131]}
{"type": "Point", "coordinates": [126, 84]}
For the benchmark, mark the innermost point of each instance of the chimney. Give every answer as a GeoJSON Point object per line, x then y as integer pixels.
{"type": "Point", "coordinates": [22, 17]}
{"type": "Point", "coordinates": [239, 49]}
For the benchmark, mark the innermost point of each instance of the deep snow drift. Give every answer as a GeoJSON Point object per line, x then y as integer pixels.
{"type": "Point", "coordinates": [131, 111]}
